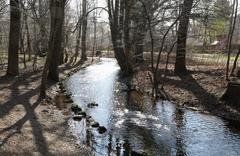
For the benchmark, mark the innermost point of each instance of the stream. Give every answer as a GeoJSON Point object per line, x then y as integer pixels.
{"type": "Point", "coordinates": [136, 126]}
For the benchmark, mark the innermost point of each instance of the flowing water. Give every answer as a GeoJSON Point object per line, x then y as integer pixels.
{"type": "Point", "coordinates": [135, 125]}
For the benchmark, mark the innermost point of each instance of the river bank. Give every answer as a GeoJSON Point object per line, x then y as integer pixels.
{"type": "Point", "coordinates": [136, 126]}
{"type": "Point", "coordinates": [200, 90]}
{"type": "Point", "coordinates": [31, 126]}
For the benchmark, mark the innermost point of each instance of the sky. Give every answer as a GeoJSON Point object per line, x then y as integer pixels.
{"type": "Point", "coordinates": [100, 3]}
{"type": "Point", "coordinates": [104, 15]}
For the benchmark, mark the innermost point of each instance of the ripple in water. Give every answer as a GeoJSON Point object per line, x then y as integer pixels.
{"type": "Point", "coordinates": [135, 125]}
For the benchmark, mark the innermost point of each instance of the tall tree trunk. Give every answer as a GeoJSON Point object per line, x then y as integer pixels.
{"type": "Point", "coordinates": [127, 44]}
{"type": "Point", "coordinates": [116, 21]}
{"type": "Point", "coordinates": [57, 17]}
{"type": "Point", "coordinates": [205, 36]}
{"type": "Point", "coordinates": [14, 37]}
{"type": "Point", "coordinates": [35, 47]}
{"type": "Point", "coordinates": [78, 37]}
{"type": "Point", "coordinates": [78, 42]}
{"type": "Point", "coordinates": [84, 30]}
{"type": "Point", "coordinates": [43, 44]}
{"type": "Point", "coordinates": [29, 47]}
{"type": "Point", "coordinates": [57, 20]}
{"type": "Point", "coordinates": [22, 39]}
{"type": "Point", "coordinates": [61, 55]}
{"type": "Point", "coordinates": [235, 63]}
{"type": "Point", "coordinates": [139, 38]}
{"type": "Point", "coordinates": [95, 35]}
{"type": "Point", "coordinates": [180, 64]}
{"type": "Point", "coordinates": [62, 47]}
{"type": "Point", "coordinates": [139, 34]}
{"type": "Point", "coordinates": [230, 35]}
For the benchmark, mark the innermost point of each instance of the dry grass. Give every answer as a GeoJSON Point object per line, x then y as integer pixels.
{"type": "Point", "coordinates": [199, 90]}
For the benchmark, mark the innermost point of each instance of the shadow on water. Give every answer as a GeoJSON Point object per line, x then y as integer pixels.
{"type": "Point", "coordinates": [137, 127]}
{"type": "Point", "coordinates": [179, 121]}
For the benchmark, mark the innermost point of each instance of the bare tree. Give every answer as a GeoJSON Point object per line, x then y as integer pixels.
{"type": "Point", "coordinates": [84, 30]}
{"type": "Point", "coordinates": [116, 19]}
{"type": "Point", "coordinates": [42, 22]}
{"type": "Point", "coordinates": [180, 64]}
{"type": "Point", "coordinates": [79, 33]}
{"type": "Point", "coordinates": [14, 37]}
{"type": "Point", "coordinates": [155, 75]}
{"type": "Point", "coordinates": [57, 9]}
{"type": "Point", "coordinates": [57, 12]}
{"type": "Point", "coordinates": [230, 35]}
{"type": "Point", "coordinates": [94, 33]}
{"type": "Point", "coordinates": [140, 23]}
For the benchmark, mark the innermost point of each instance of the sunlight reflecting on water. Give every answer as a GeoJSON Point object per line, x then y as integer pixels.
{"type": "Point", "coordinates": [161, 129]}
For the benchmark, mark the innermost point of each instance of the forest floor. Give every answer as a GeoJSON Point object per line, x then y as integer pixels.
{"type": "Point", "coordinates": [29, 125]}
{"type": "Point", "coordinates": [200, 90]}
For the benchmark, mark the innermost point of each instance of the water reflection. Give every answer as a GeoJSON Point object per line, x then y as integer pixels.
{"type": "Point", "coordinates": [136, 126]}
{"type": "Point", "coordinates": [179, 121]}
{"type": "Point", "coordinates": [109, 144]}
{"type": "Point", "coordinates": [89, 138]}
{"type": "Point", "coordinates": [126, 148]}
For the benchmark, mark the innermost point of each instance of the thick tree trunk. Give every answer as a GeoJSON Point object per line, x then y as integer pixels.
{"type": "Point", "coordinates": [43, 44]}
{"type": "Point", "coordinates": [84, 31]}
{"type": "Point", "coordinates": [57, 26]}
{"type": "Point", "coordinates": [78, 39]}
{"type": "Point", "coordinates": [232, 94]}
{"type": "Point", "coordinates": [78, 42]}
{"type": "Point", "coordinates": [116, 19]}
{"type": "Point", "coordinates": [128, 5]}
{"type": "Point", "coordinates": [57, 17]}
{"type": "Point", "coordinates": [180, 64]}
{"type": "Point", "coordinates": [139, 34]}
{"type": "Point", "coordinates": [14, 37]}
{"type": "Point", "coordinates": [61, 56]}
{"type": "Point", "coordinates": [139, 48]}
{"type": "Point", "coordinates": [64, 43]}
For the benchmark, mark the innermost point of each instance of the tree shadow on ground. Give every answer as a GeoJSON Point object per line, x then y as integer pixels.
{"type": "Point", "coordinates": [25, 100]}
{"type": "Point", "coordinates": [22, 92]}
{"type": "Point", "coordinates": [187, 82]}
{"type": "Point", "coordinates": [212, 72]}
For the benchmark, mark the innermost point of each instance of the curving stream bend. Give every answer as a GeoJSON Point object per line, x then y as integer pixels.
{"type": "Point", "coordinates": [135, 125]}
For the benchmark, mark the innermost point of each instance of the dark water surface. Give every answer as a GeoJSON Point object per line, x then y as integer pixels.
{"type": "Point", "coordinates": [135, 124]}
